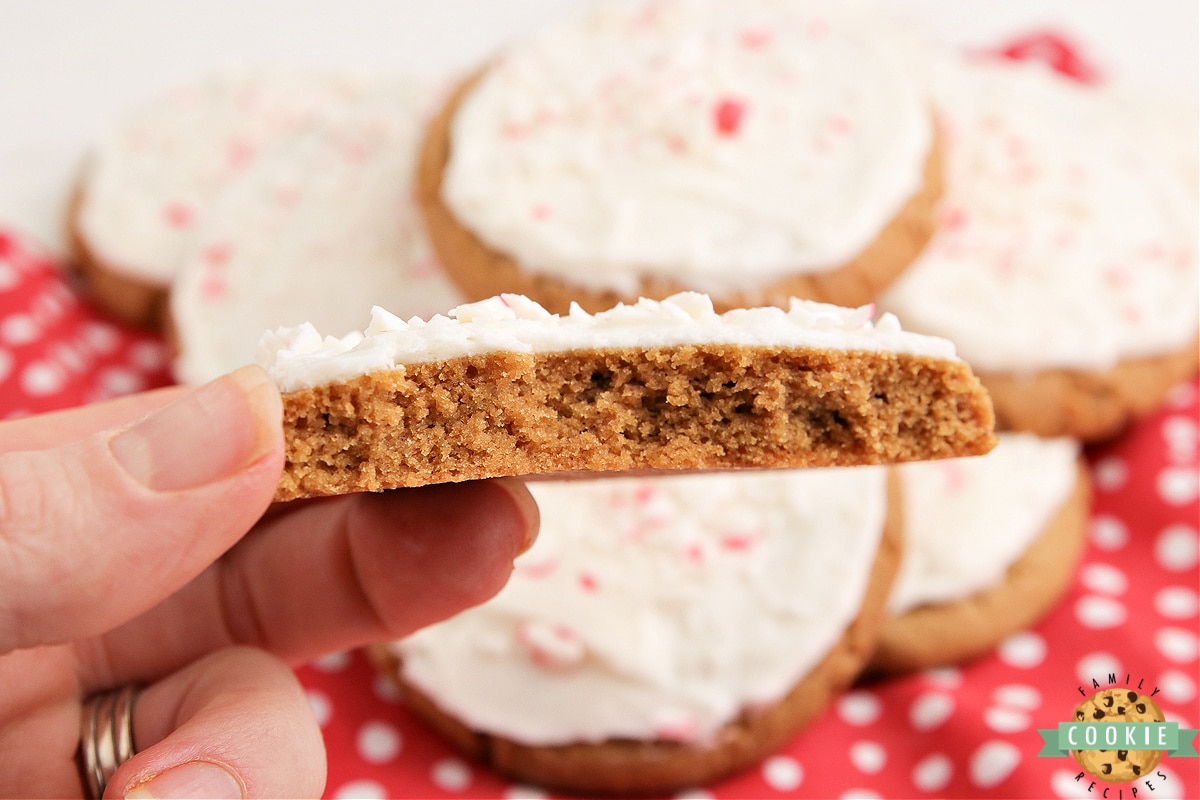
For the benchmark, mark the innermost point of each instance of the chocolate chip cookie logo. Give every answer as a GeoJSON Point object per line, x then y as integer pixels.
{"type": "Point", "coordinates": [1119, 735]}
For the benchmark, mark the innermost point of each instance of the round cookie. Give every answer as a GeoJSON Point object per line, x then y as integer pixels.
{"type": "Point", "coordinates": [690, 630]}
{"type": "Point", "coordinates": [1118, 705]}
{"type": "Point", "coordinates": [752, 151]}
{"type": "Point", "coordinates": [1064, 267]}
{"type": "Point", "coordinates": [327, 214]}
{"type": "Point", "coordinates": [503, 387]}
{"type": "Point", "coordinates": [991, 544]}
{"type": "Point", "coordinates": [149, 180]}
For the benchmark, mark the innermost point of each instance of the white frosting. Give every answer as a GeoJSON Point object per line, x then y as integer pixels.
{"type": "Point", "coordinates": [299, 357]}
{"type": "Point", "coordinates": [318, 230]}
{"type": "Point", "coordinates": [658, 608]}
{"type": "Point", "coordinates": [721, 144]}
{"type": "Point", "coordinates": [149, 180]}
{"type": "Point", "coordinates": [1069, 232]}
{"type": "Point", "coordinates": [967, 520]}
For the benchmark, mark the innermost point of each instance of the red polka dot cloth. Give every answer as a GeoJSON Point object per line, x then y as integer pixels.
{"type": "Point", "coordinates": [969, 731]}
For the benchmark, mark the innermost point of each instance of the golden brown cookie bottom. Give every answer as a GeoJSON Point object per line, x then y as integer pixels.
{"type": "Point", "coordinates": [666, 408]}
{"type": "Point", "coordinates": [1090, 406]}
{"type": "Point", "coordinates": [950, 633]}
{"type": "Point", "coordinates": [481, 272]}
{"type": "Point", "coordinates": [626, 767]}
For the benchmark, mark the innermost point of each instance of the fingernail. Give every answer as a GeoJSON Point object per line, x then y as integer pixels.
{"type": "Point", "coordinates": [210, 434]}
{"type": "Point", "coordinates": [526, 507]}
{"type": "Point", "coordinates": [195, 779]}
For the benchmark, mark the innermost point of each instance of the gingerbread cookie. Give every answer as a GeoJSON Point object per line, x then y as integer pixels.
{"type": "Point", "coordinates": [1118, 705]}
{"type": "Point", "coordinates": [325, 215]}
{"type": "Point", "coordinates": [148, 182]}
{"type": "Point", "coordinates": [1065, 265]}
{"type": "Point", "coordinates": [991, 544]}
{"type": "Point", "coordinates": [503, 387]}
{"type": "Point", "coordinates": [754, 151]}
{"type": "Point", "coordinates": [661, 633]}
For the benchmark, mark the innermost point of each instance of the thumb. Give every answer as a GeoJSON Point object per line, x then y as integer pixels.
{"type": "Point", "coordinates": [95, 532]}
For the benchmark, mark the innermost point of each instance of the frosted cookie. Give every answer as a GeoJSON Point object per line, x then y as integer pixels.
{"type": "Point", "coordinates": [149, 180]}
{"type": "Point", "coordinates": [991, 544]}
{"type": "Point", "coordinates": [661, 633]}
{"type": "Point", "coordinates": [502, 387]}
{"type": "Point", "coordinates": [754, 151]}
{"type": "Point", "coordinates": [1118, 705]}
{"type": "Point", "coordinates": [1065, 267]}
{"type": "Point", "coordinates": [326, 216]}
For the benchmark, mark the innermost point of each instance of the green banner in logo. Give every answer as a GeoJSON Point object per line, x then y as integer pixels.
{"type": "Point", "coordinates": [1118, 736]}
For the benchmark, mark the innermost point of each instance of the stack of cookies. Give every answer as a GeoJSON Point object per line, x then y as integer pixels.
{"type": "Point", "coordinates": [649, 207]}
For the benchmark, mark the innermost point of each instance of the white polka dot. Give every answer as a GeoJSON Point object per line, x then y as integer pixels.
{"type": "Point", "coordinates": [19, 329]}
{"type": "Point", "coordinates": [8, 277]}
{"type": "Point", "coordinates": [386, 689]}
{"type": "Point", "coordinates": [102, 337]}
{"type": "Point", "coordinates": [1108, 533]}
{"type": "Point", "coordinates": [1104, 578]}
{"type": "Point", "coordinates": [993, 762]}
{"type": "Point", "coordinates": [331, 662]}
{"type": "Point", "coordinates": [1176, 602]}
{"type": "Point", "coordinates": [322, 709]}
{"type": "Point", "coordinates": [361, 790]}
{"type": "Point", "coordinates": [782, 773]}
{"type": "Point", "coordinates": [522, 792]}
{"type": "Point", "coordinates": [1017, 695]}
{"type": "Point", "coordinates": [6, 364]}
{"type": "Point", "coordinates": [118, 381]}
{"type": "Point", "coordinates": [1177, 686]}
{"type": "Point", "coordinates": [1006, 720]}
{"type": "Point", "coordinates": [1099, 613]}
{"type": "Point", "coordinates": [451, 775]}
{"type": "Point", "coordinates": [1110, 474]}
{"type": "Point", "coordinates": [933, 772]}
{"type": "Point", "coordinates": [694, 794]}
{"type": "Point", "coordinates": [1177, 644]}
{"type": "Point", "coordinates": [930, 710]}
{"type": "Point", "coordinates": [859, 794]}
{"type": "Point", "coordinates": [1180, 434]}
{"type": "Point", "coordinates": [378, 742]}
{"type": "Point", "coordinates": [1024, 650]}
{"type": "Point", "coordinates": [1182, 396]}
{"type": "Point", "coordinates": [42, 378]}
{"type": "Point", "coordinates": [869, 757]}
{"type": "Point", "coordinates": [1177, 548]}
{"type": "Point", "coordinates": [948, 677]}
{"type": "Point", "coordinates": [71, 358]}
{"type": "Point", "coordinates": [1097, 666]}
{"type": "Point", "coordinates": [1064, 784]}
{"type": "Point", "coordinates": [859, 708]}
{"type": "Point", "coordinates": [148, 356]}
{"type": "Point", "coordinates": [1178, 486]}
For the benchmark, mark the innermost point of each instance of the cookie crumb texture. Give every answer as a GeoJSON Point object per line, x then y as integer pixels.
{"type": "Point", "coordinates": [669, 408]}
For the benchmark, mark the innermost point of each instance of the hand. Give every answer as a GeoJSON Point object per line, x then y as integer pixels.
{"type": "Point", "coordinates": [125, 558]}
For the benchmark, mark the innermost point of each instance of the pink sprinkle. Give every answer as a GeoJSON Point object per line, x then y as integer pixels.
{"type": "Point", "coordinates": [1025, 172]}
{"type": "Point", "coordinates": [178, 215]}
{"type": "Point", "coordinates": [681, 731]}
{"type": "Point", "coordinates": [738, 542]}
{"type": "Point", "coordinates": [676, 143]}
{"type": "Point", "coordinates": [1016, 146]}
{"type": "Point", "coordinates": [1154, 250]}
{"type": "Point", "coordinates": [1064, 238]}
{"type": "Point", "coordinates": [839, 125]}
{"type": "Point", "coordinates": [953, 217]}
{"type": "Point", "coordinates": [539, 569]}
{"type": "Point", "coordinates": [214, 287]}
{"type": "Point", "coordinates": [694, 553]}
{"type": "Point", "coordinates": [540, 212]}
{"type": "Point", "coordinates": [564, 633]}
{"type": "Point", "coordinates": [1132, 314]}
{"type": "Point", "coordinates": [239, 154]}
{"type": "Point", "coordinates": [288, 196]}
{"type": "Point", "coordinates": [954, 477]}
{"type": "Point", "coordinates": [728, 114]}
{"type": "Point", "coordinates": [756, 38]}
{"type": "Point", "coordinates": [588, 582]}
{"type": "Point", "coordinates": [515, 130]}
{"type": "Point", "coordinates": [355, 152]}
{"type": "Point", "coordinates": [216, 254]}
{"type": "Point", "coordinates": [1117, 277]}
{"type": "Point", "coordinates": [644, 493]}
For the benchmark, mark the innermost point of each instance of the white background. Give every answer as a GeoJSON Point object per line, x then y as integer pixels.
{"type": "Point", "coordinates": [68, 67]}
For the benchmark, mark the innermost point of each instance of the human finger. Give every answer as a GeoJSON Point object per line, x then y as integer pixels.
{"type": "Point", "coordinates": [330, 576]}
{"type": "Point", "coordinates": [96, 531]}
{"type": "Point", "coordinates": [234, 724]}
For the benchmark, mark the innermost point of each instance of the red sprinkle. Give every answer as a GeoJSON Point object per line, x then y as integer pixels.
{"type": "Point", "coordinates": [588, 582]}
{"type": "Point", "coordinates": [756, 38]}
{"type": "Point", "coordinates": [728, 114]}
{"type": "Point", "coordinates": [540, 212]}
{"type": "Point", "coordinates": [214, 287]}
{"type": "Point", "coordinates": [217, 254]}
{"type": "Point", "coordinates": [840, 125]}
{"type": "Point", "coordinates": [644, 493]}
{"type": "Point", "coordinates": [738, 542]}
{"type": "Point", "coordinates": [178, 215]}
{"type": "Point", "coordinates": [953, 217]}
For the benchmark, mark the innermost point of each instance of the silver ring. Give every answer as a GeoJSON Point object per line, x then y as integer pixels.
{"type": "Point", "coordinates": [105, 737]}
